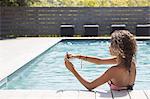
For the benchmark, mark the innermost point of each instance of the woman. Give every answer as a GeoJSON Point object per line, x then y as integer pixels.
{"type": "Point", "coordinates": [122, 75]}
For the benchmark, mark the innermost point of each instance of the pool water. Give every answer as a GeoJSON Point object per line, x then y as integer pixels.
{"type": "Point", "coordinates": [48, 72]}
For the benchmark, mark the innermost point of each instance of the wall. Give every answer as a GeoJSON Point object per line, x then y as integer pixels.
{"type": "Point", "coordinates": [47, 20]}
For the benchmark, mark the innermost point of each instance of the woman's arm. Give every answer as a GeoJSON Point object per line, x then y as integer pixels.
{"type": "Point", "coordinates": [97, 82]}
{"type": "Point", "coordinates": [111, 60]}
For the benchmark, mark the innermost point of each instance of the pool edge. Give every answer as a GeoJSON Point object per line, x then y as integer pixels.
{"type": "Point", "coordinates": [8, 78]}
{"type": "Point", "coordinates": [4, 80]}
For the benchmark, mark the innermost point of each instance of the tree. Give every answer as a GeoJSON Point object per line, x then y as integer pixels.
{"type": "Point", "coordinates": [24, 3]}
{"type": "Point", "coordinates": [9, 3]}
{"type": "Point", "coordinates": [75, 3]}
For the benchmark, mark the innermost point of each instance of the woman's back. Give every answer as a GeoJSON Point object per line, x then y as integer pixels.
{"type": "Point", "coordinates": [123, 77]}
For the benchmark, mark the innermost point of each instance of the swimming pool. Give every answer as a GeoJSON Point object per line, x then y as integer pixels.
{"type": "Point", "coordinates": [47, 72]}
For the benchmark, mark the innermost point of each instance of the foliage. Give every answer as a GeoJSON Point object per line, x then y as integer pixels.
{"type": "Point", "coordinates": [75, 3]}
{"type": "Point", "coordinates": [99, 3]}
{"type": "Point", "coordinates": [9, 3]}
{"type": "Point", "coordinates": [38, 3]}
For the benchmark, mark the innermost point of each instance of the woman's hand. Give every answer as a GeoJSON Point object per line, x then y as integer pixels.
{"type": "Point", "coordinates": [71, 56]}
{"type": "Point", "coordinates": [69, 65]}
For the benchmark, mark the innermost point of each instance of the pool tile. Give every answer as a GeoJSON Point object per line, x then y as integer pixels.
{"type": "Point", "coordinates": [102, 94]}
{"type": "Point", "coordinates": [137, 94]}
{"type": "Point", "coordinates": [70, 94]}
{"type": "Point", "coordinates": [84, 94]}
{"type": "Point", "coordinates": [120, 94]}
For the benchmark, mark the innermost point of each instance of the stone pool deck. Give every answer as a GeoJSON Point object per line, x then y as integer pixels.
{"type": "Point", "coordinates": [78, 94]}
{"type": "Point", "coordinates": [14, 53]}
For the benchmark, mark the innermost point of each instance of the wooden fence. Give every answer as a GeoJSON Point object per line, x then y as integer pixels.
{"type": "Point", "coordinates": [33, 21]}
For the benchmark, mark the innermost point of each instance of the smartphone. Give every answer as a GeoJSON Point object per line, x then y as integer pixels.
{"type": "Point", "coordinates": [67, 55]}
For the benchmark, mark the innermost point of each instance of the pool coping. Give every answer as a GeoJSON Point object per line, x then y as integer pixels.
{"type": "Point", "coordinates": [4, 80]}
{"type": "Point", "coordinates": [102, 38]}
{"type": "Point", "coordinates": [74, 94]}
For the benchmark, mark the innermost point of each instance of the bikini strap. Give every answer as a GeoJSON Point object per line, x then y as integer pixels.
{"type": "Point", "coordinates": [130, 87]}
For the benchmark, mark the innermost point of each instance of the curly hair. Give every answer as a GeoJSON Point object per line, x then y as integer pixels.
{"type": "Point", "coordinates": [123, 44]}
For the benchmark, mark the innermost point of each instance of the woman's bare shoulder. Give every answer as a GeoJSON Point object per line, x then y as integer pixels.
{"type": "Point", "coordinates": [113, 70]}
{"type": "Point", "coordinates": [133, 67]}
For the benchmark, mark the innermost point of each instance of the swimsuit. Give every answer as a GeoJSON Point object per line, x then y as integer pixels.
{"type": "Point", "coordinates": [114, 87]}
